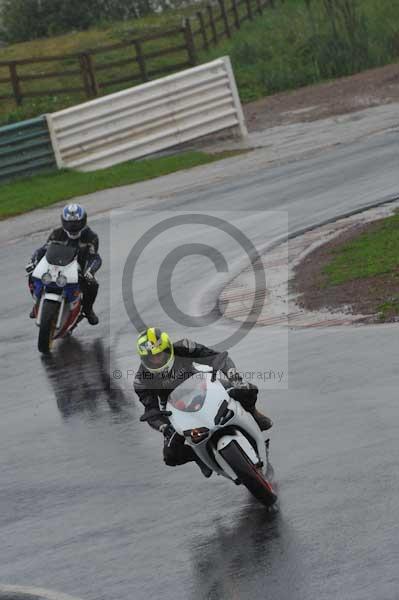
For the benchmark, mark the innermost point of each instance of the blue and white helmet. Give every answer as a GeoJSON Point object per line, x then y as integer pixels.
{"type": "Point", "coordinates": [74, 220]}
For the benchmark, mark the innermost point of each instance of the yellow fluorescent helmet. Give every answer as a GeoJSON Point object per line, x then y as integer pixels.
{"type": "Point", "coordinates": [155, 350]}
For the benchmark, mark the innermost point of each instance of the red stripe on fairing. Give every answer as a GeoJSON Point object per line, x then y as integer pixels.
{"type": "Point", "coordinates": [70, 322]}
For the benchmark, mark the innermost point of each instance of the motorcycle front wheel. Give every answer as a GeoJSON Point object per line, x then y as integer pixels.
{"type": "Point", "coordinates": [248, 474]}
{"type": "Point", "coordinates": [47, 326]}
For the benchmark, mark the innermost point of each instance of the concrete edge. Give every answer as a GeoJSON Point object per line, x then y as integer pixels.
{"type": "Point", "coordinates": [351, 213]}
{"type": "Point", "coordinates": [295, 234]}
{"type": "Point", "coordinates": [15, 592]}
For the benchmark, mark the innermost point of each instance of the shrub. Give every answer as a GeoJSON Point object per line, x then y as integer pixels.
{"type": "Point", "coordinates": [30, 19]}
{"type": "Point", "coordinates": [306, 41]}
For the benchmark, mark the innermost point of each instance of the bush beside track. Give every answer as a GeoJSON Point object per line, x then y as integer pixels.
{"type": "Point", "coordinates": [302, 43]}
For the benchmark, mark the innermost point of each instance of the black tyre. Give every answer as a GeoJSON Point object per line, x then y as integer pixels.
{"type": "Point", "coordinates": [248, 474]}
{"type": "Point", "coordinates": [47, 326]}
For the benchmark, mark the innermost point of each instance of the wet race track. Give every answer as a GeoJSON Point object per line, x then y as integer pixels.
{"type": "Point", "coordinates": [87, 506]}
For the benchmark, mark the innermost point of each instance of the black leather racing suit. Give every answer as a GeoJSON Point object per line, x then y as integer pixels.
{"type": "Point", "coordinates": [88, 258]}
{"type": "Point", "coordinates": [153, 391]}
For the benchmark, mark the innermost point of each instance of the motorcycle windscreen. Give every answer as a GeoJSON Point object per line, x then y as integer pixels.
{"type": "Point", "coordinates": [190, 395]}
{"type": "Point", "coordinates": [60, 255]}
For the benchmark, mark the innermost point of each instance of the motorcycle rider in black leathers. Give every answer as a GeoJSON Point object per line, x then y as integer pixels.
{"type": "Point", "coordinates": [164, 365]}
{"type": "Point", "coordinates": [75, 232]}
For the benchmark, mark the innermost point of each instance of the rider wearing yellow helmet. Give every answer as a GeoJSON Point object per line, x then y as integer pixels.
{"type": "Point", "coordinates": [156, 350]}
{"type": "Point", "coordinates": [164, 365]}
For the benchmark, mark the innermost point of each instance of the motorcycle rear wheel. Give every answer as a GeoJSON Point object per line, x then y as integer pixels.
{"type": "Point", "coordinates": [248, 474]}
{"type": "Point", "coordinates": [47, 326]}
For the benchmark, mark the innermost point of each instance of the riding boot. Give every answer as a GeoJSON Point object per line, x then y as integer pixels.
{"type": "Point", "coordinates": [264, 422]}
{"type": "Point", "coordinates": [90, 291]}
{"type": "Point", "coordinates": [91, 317]}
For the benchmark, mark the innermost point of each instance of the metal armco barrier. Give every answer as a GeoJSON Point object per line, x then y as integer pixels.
{"type": "Point", "coordinates": [147, 118]}
{"type": "Point", "coordinates": [25, 149]}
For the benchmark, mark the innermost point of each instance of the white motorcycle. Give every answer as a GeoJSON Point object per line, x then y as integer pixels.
{"type": "Point", "coordinates": [222, 434]}
{"type": "Point", "coordinates": [58, 299]}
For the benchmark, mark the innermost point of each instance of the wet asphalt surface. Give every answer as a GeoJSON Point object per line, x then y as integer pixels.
{"type": "Point", "coordinates": [87, 506]}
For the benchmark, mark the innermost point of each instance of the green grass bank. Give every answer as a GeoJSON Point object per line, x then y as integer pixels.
{"type": "Point", "coordinates": [370, 260]}
{"type": "Point", "coordinates": [43, 190]}
{"type": "Point", "coordinates": [372, 253]}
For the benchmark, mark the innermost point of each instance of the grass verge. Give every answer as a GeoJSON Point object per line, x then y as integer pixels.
{"type": "Point", "coordinates": [373, 253]}
{"type": "Point", "coordinates": [43, 190]}
{"type": "Point", "coordinates": [357, 271]}
{"type": "Point", "coordinates": [368, 267]}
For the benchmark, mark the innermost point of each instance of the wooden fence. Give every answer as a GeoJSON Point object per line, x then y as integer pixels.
{"type": "Point", "coordinates": [86, 77]}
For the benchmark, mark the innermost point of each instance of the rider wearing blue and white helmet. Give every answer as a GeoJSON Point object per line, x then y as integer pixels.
{"type": "Point", "coordinates": [74, 231]}
{"type": "Point", "coordinates": [74, 220]}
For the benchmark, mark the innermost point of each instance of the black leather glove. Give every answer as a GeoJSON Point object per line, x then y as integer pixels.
{"type": "Point", "coordinates": [245, 385]}
{"type": "Point", "coordinates": [167, 429]}
{"type": "Point", "coordinates": [89, 276]}
{"type": "Point", "coordinates": [233, 375]}
{"type": "Point", "coordinates": [245, 393]}
{"type": "Point", "coordinates": [30, 268]}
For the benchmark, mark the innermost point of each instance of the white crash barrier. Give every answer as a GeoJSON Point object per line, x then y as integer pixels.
{"type": "Point", "coordinates": [147, 118]}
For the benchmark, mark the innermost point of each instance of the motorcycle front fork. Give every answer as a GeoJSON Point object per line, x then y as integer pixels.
{"type": "Point", "coordinates": [39, 308]}
{"type": "Point", "coordinates": [60, 314]}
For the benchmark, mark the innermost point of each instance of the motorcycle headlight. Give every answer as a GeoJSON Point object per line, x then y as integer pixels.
{"type": "Point", "coordinates": [197, 435]}
{"type": "Point", "coordinates": [46, 278]}
{"type": "Point", "coordinates": [61, 281]}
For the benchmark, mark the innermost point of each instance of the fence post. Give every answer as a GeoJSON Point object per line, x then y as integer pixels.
{"type": "Point", "coordinates": [16, 87]}
{"type": "Point", "coordinates": [88, 75]}
{"type": "Point", "coordinates": [92, 75]}
{"type": "Point", "coordinates": [212, 24]}
{"type": "Point", "coordinates": [200, 17]}
{"type": "Point", "coordinates": [249, 9]}
{"type": "Point", "coordinates": [85, 77]}
{"type": "Point", "coordinates": [225, 19]}
{"type": "Point", "coordinates": [235, 14]}
{"type": "Point", "coordinates": [140, 60]}
{"type": "Point", "coordinates": [188, 34]}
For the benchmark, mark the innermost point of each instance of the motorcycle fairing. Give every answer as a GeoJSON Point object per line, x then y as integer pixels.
{"type": "Point", "coordinates": [70, 291]}
{"type": "Point", "coordinates": [241, 426]}
{"type": "Point", "coordinates": [70, 271]}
